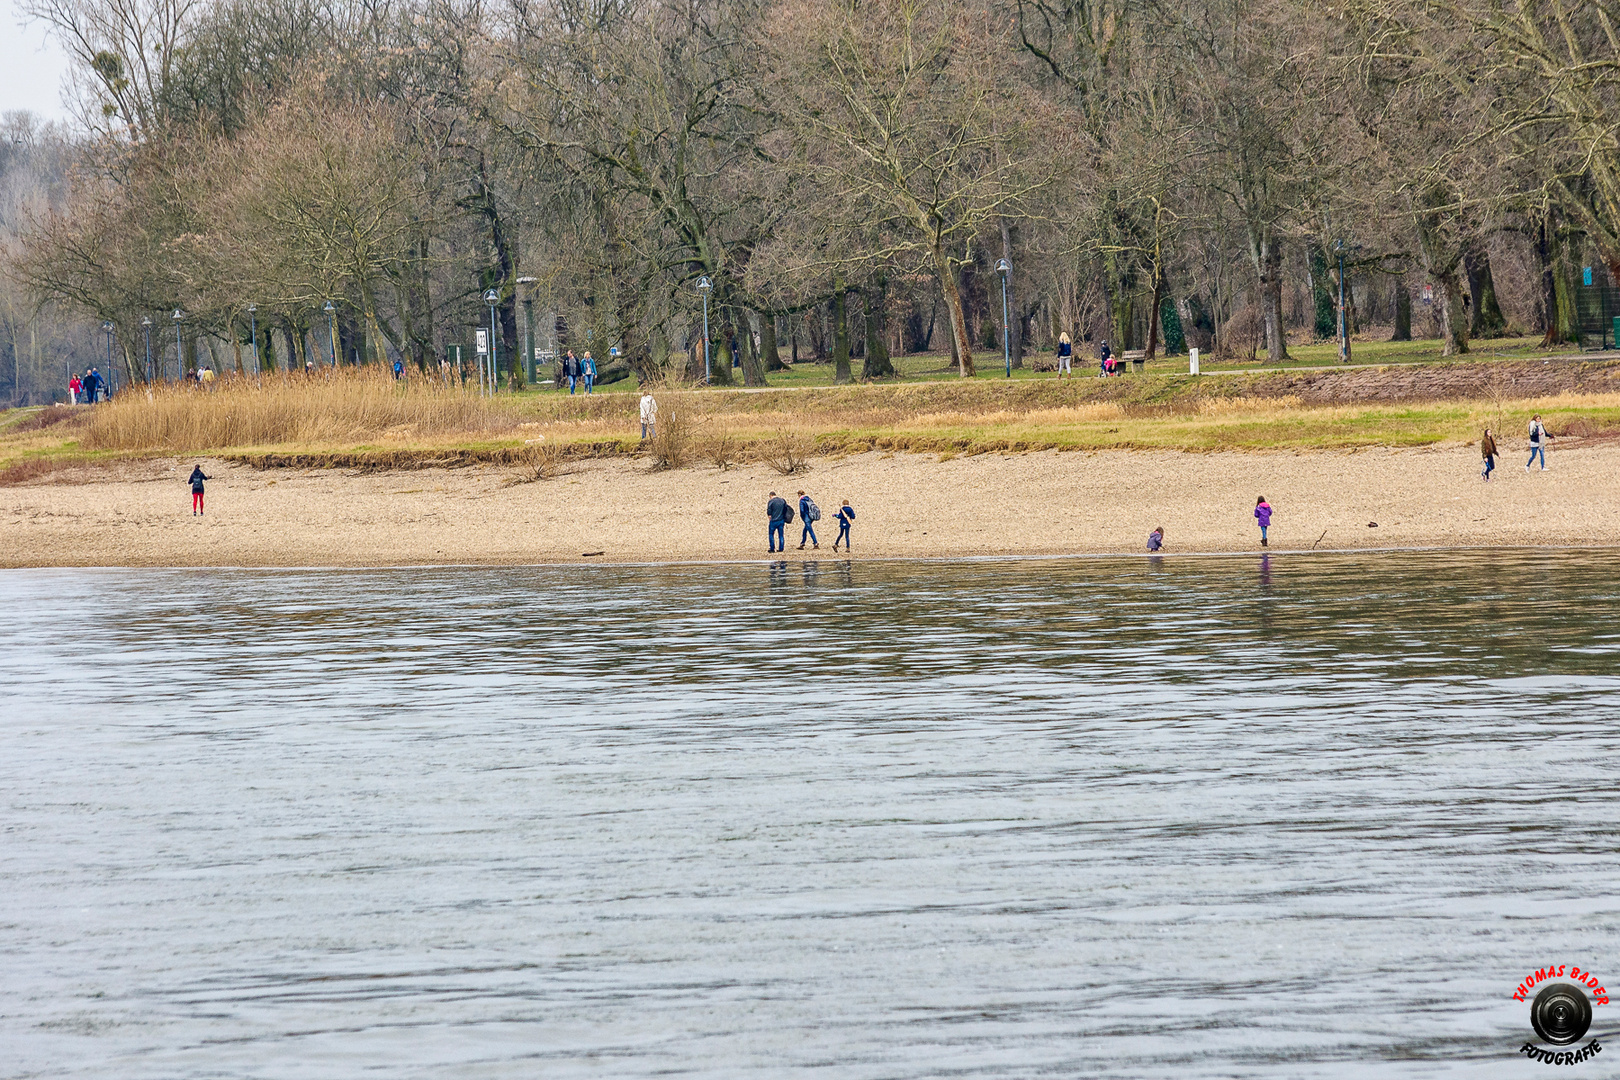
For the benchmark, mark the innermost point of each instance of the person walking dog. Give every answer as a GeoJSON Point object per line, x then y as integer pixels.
{"type": "Point", "coordinates": [1487, 452]}
{"type": "Point", "coordinates": [1538, 443]}
{"type": "Point", "coordinates": [809, 514]}
{"type": "Point", "coordinates": [846, 517]}
{"type": "Point", "coordinates": [196, 481]}
{"type": "Point", "coordinates": [1262, 514]}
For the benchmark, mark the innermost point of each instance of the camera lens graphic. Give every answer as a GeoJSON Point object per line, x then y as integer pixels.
{"type": "Point", "coordinates": [1561, 1014]}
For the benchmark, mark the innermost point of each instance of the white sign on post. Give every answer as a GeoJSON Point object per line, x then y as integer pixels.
{"type": "Point", "coordinates": [1192, 361]}
{"type": "Point", "coordinates": [483, 343]}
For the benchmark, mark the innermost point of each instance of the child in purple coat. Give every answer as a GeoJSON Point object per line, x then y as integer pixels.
{"type": "Point", "coordinates": [1262, 514]}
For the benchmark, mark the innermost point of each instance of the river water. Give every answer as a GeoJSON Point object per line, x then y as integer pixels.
{"type": "Point", "coordinates": [1289, 817]}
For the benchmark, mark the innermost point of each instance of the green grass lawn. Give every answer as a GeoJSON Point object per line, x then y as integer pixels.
{"type": "Point", "coordinates": [926, 367]}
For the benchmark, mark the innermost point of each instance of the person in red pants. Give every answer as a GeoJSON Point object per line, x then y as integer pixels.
{"type": "Point", "coordinates": [197, 478]}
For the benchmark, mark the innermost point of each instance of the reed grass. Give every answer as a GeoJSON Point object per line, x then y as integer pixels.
{"type": "Point", "coordinates": [341, 406]}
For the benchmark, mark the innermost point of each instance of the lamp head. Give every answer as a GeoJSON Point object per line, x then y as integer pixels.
{"type": "Point", "coordinates": [1003, 267]}
{"type": "Point", "coordinates": [704, 284]}
{"type": "Point", "coordinates": [329, 308]}
{"type": "Point", "coordinates": [146, 320]}
{"type": "Point", "coordinates": [107, 325]}
{"type": "Point", "coordinates": [252, 308]}
{"type": "Point", "coordinates": [492, 297]}
{"type": "Point", "coordinates": [177, 315]}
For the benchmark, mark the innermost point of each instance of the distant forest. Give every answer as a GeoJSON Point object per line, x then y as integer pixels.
{"type": "Point", "coordinates": [846, 174]}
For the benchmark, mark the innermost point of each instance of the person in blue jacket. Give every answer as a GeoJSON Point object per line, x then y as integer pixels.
{"type": "Point", "coordinates": [587, 370]}
{"type": "Point", "coordinates": [776, 511]}
{"type": "Point", "coordinates": [846, 516]}
{"type": "Point", "coordinates": [805, 506]}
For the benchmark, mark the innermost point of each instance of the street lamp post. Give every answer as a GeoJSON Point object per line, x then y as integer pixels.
{"type": "Point", "coordinates": [146, 325]}
{"type": "Point", "coordinates": [179, 348]}
{"type": "Point", "coordinates": [529, 373]}
{"type": "Point", "coordinates": [253, 334]}
{"type": "Point", "coordinates": [107, 328]}
{"type": "Point", "coordinates": [1344, 340]}
{"type": "Point", "coordinates": [331, 330]}
{"type": "Point", "coordinates": [703, 286]}
{"type": "Point", "coordinates": [492, 298]}
{"type": "Point", "coordinates": [1003, 267]}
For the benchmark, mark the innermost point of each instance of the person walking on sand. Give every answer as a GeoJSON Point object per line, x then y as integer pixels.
{"type": "Point", "coordinates": [1262, 514]}
{"type": "Point", "coordinates": [808, 514]}
{"type": "Point", "coordinates": [777, 512]}
{"type": "Point", "coordinates": [587, 371]}
{"type": "Point", "coordinates": [196, 481]}
{"type": "Point", "coordinates": [1538, 443]}
{"type": "Point", "coordinates": [1065, 354]}
{"type": "Point", "coordinates": [846, 517]}
{"type": "Point", "coordinates": [649, 416]}
{"type": "Point", "coordinates": [1487, 451]}
{"type": "Point", "coordinates": [1156, 539]}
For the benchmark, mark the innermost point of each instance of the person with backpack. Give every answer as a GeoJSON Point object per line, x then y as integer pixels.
{"type": "Point", "coordinates": [1538, 443]}
{"type": "Point", "coordinates": [1487, 451]}
{"type": "Point", "coordinates": [846, 517]}
{"type": "Point", "coordinates": [1262, 514]}
{"type": "Point", "coordinates": [587, 371]}
{"type": "Point", "coordinates": [779, 514]}
{"type": "Point", "coordinates": [809, 513]}
{"type": "Point", "coordinates": [196, 482]}
{"type": "Point", "coordinates": [1065, 355]}
{"type": "Point", "coordinates": [399, 368]}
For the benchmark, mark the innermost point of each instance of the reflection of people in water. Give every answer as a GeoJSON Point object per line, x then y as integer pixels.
{"type": "Point", "coordinates": [1265, 569]}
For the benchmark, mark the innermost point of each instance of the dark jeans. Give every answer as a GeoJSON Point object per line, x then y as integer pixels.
{"type": "Point", "coordinates": [776, 540]}
{"type": "Point", "coordinates": [843, 534]}
{"type": "Point", "coordinates": [808, 534]}
{"type": "Point", "coordinates": [1537, 450]}
{"type": "Point", "coordinates": [1490, 464]}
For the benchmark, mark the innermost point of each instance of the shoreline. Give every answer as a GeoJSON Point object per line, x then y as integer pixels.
{"type": "Point", "coordinates": [1036, 505]}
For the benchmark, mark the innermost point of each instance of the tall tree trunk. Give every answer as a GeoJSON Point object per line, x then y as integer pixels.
{"type": "Point", "coordinates": [1403, 311]}
{"type": "Point", "coordinates": [1487, 320]}
{"type": "Point", "coordinates": [1153, 318]}
{"type": "Point", "coordinates": [767, 341]}
{"type": "Point", "coordinates": [1453, 316]}
{"type": "Point", "coordinates": [1271, 304]}
{"type": "Point", "coordinates": [840, 313]}
{"type": "Point", "coordinates": [793, 337]}
{"type": "Point", "coordinates": [753, 367]}
{"type": "Point", "coordinates": [236, 343]}
{"type": "Point", "coordinates": [878, 364]}
{"type": "Point", "coordinates": [951, 292]}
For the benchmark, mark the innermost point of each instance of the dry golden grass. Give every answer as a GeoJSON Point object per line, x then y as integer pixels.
{"type": "Point", "coordinates": [344, 406]}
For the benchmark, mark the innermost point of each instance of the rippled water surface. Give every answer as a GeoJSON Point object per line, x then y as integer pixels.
{"type": "Point", "coordinates": [1311, 816]}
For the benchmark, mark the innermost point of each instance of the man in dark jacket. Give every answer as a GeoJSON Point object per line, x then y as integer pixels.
{"type": "Point", "coordinates": [777, 510]}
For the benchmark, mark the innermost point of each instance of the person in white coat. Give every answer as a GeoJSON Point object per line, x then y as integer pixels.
{"type": "Point", "coordinates": [649, 416]}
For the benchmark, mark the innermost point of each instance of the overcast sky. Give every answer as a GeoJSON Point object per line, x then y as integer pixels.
{"type": "Point", "coordinates": [32, 67]}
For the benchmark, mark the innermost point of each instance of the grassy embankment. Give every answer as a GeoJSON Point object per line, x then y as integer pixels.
{"type": "Point", "coordinates": [934, 367]}
{"type": "Point", "coordinates": [360, 417]}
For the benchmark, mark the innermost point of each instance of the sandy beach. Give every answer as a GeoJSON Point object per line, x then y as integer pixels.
{"type": "Point", "coordinates": [1048, 503]}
